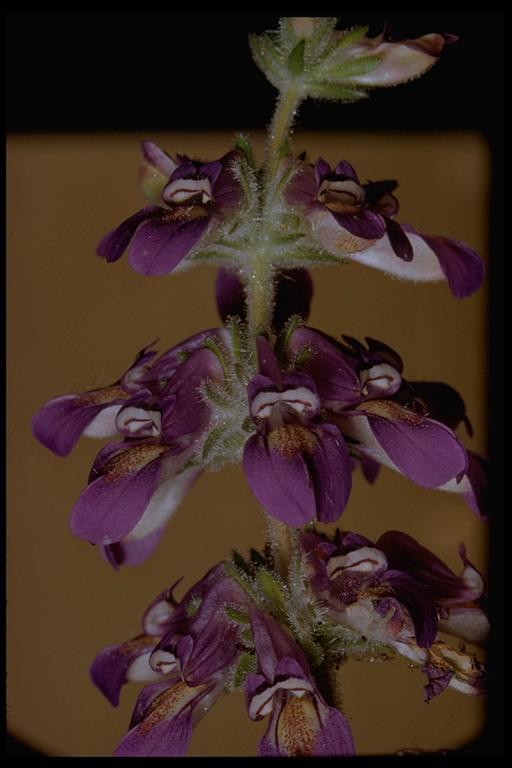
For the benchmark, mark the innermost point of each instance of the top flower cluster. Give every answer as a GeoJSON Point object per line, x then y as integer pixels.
{"type": "Point", "coordinates": [326, 214]}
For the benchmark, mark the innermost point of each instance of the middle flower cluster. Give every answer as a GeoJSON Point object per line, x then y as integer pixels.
{"type": "Point", "coordinates": [303, 412]}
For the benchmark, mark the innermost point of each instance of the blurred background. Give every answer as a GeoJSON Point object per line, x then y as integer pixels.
{"type": "Point", "coordinates": [75, 323]}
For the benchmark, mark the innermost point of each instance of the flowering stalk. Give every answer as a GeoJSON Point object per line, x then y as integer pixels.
{"type": "Point", "coordinates": [299, 409]}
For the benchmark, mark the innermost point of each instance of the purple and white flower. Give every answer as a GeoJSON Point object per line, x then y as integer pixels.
{"type": "Point", "coordinates": [357, 221]}
{"type": "Point", "coordinates": [191, 649]}
{"type": "Point", "coordinates": [298, 467]}
{"type": "Point", "coordinates": [397, 593]}
{"type": "Point", "coordinates": [158, 411]}
{"type": "Point", "coordinates": [191, 199]}
{"type": "Point", "coordinates": [386, 419]}
{"type": "Point", "coordinates": [301, 723]}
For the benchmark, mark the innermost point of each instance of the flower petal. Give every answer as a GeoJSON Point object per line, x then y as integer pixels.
{"type": "Point", "coordinates": [60, 423]}
{"type": "Point", "coordinates": [158, 246]}
{"type": "Point", "coordinates": [474, 484]}
{"type": "Point", "coordinates": [400, 61]}
{"type": "Point", "coordinates": [126, 552]}
{"type": "Point", "coordinates": [330, 473]}
{"type": "Point", "coordinates": [405, 554]}
{"type": "Point", "coordinates": [461, 265]}
{"type": "Point", "coordinates": [282, 486]}
{"type": "Point", "coordinates": [111, 506]}
{"type": "Point", "coordinates": [112, 666]}
{"type": "Point", "coordinates": [162, 721]}
{"type": "Point", "coordinates": [330, 369]}
{"type": "Point", "coordinates": [427, 452]}
{"type": "Point", "coordinates": [112, 246]}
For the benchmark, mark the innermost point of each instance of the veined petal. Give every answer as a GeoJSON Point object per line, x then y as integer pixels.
{"type": "Point", "coordinates": [111, 506]}
{"type": "Point", "coordinates": [127, 552]}
{"type": "Point", "coordinates": [59, 424]}
{"type": "Point", "coordinates": [338, 238]}
{"type": "Point", "coordinates": [273, 643]}
{"type": "Point", "coordinates": [174, 484]}
{"type": "Point", "coordinates": [461, 266]}
{"type": "Point", "coordinates": [330, 473]}
{"type": "Point", "coordinates": [302, 190]}
{"type": "Point", "coordinates": [306, 727]}
{"type": "Point", "coordinates": [158, 246]}
{"type": "Point", "coordinates": [117, 664]}
{"type": "Point", "coordinates": [422, 608]}
{"type": "Point", "coordinates": [426, 451]}
{"type": "Point", "coordinates": [283, 486]}
{"type": "Point", "coordinates": [162, 721]}
{"type": "Point", "coordinates": [190, 413]}
{"type": "Point", "coordinates": [405, 554]}
{"type": "Point", "coordinates": [474, 485]}
{"type": "Point", "coordinates": [335, 378]}
{"type": "Point", "coordinates": [112, 246]}
{"type": "Point", "coordinates": [366, 224]}
{"type": "Point", "coordinates": [227, 191]}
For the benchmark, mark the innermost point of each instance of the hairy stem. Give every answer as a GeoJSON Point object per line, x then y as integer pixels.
{"type": "Point", "coordinates": [260, 277]}
{"type": "Point", "coordinates": [280, 537]}
{"type": "Point", "coordinates": [280, 127]}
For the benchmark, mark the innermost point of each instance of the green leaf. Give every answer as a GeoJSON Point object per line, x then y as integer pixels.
{"type": "Point", "coordinates": [335, 92]}
{"type": "Point", "coordinates": [246, 666]}
{"type": "Point", "coordinates": [321, 39]}
{"type": "Point", "coordinates": [193, 606]}
{"type": "Point", "coordinates": [212, 345]}
{"type": "Point", "coordinates": [212, 440]}
{"type": "Point", "coordinates": [351, 67]}
{"type": "Point", "coordinates": [236, 615]}
{"type": "Point", "coordinates": [268, 57]}
{"type": "Point", "coordinates": [272, 588]}
{"type": "Point", "coordinates": [240, 562]}
{"type": "Point", "coordinates": [244, 144]}
{"type": "Point", "coordinates": [239, 577]}
{"type": "Point", "coordinates": [352, 36]}
{"type": "Point", "coordinates": [296, 59]}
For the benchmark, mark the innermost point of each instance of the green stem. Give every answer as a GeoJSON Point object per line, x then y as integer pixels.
{"type": "Point", "coordinates": [280, 537]}
{"type": "Point", "coordinates": [260, 278]}
{"type": "Point", "coordinates": [280, 126]}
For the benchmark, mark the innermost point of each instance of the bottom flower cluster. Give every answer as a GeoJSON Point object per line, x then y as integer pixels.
{"type": "Point", "coordinates": [281, 636]}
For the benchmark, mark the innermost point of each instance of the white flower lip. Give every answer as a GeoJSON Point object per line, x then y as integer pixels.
{"type": "Point", "coordinates": [302, 400]}
{"type": "Point", "coordinates": [181, 190]}
{"type": "Point", "coordinates": [380, 379]}
{"type": "Point", "coordinates": [262, 703]}
{"type": "Point", "coordinates": [139, 422]}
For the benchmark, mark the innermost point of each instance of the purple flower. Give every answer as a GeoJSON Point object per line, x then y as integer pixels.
{"type": "Point", "coordinates": [59, 424]}
{"type": "Point", "coordinates": [399, 594]}
{"type": "Point", "coordinates": [158, 410]}
{"type": "Point", "coordinates": [298, 468]}
{"type": "Point", "coordinates": [192, 199]}
{"type": "Point", "coordinates": [385, 418]}
{"type": "Point", "coordinates": [293, 293]}
{"type": "Point", "coordinates": [135, 485]}
{"type": "Point", "coordinates": [301, 723]}
{"type": "Point", "coordinates": [357, 221]}
{"type": "Point", "coordinates": [129, 661]}
{"type": "Point", "coordinates": [191, 648]}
